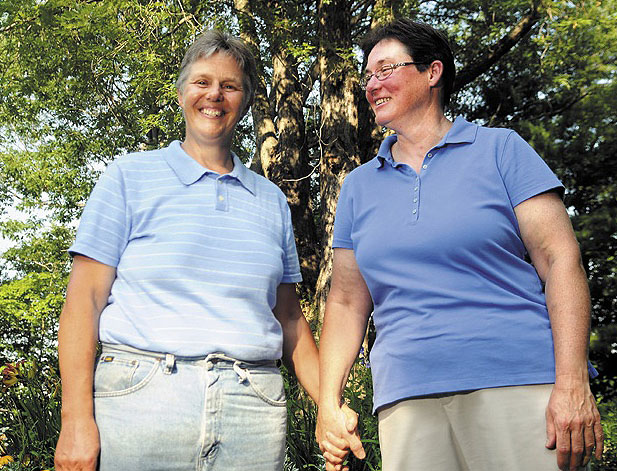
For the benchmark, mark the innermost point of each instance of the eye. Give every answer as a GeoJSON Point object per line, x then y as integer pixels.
{"type": "Point", "coordinates": [385, 70]}
{"type": "Point", "coordinates": [202, 82]}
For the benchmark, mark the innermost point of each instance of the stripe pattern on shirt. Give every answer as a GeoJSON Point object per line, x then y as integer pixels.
{"type": "Point", "coordinates": [198, 255]}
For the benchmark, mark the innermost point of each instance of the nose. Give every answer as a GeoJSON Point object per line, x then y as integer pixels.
{"type": "Point", "coordinates": [214, 93]}
{"type": "Point", "coordinates": [372, 85]}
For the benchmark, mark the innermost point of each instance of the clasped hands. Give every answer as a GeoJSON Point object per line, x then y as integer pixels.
{"type": "Point", "coordinates": [337, 435]}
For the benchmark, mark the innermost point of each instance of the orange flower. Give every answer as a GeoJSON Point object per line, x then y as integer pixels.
{"type": "Point", "coordinates": [10, 374]}
{"type": "Point", "coordinates": [5, 460]}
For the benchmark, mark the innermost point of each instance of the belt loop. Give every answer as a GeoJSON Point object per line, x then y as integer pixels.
{"type": "Point", "coordinates": [170, 361]}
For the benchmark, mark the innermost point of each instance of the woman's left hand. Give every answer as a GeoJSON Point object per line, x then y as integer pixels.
{"type": "Point", "coordinates": [573, 424]}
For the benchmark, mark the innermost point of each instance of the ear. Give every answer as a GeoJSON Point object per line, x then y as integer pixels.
{"type": "Point", "coordinates": [435, 72]}
{"type": "Point", "coordinates": [180, 98]}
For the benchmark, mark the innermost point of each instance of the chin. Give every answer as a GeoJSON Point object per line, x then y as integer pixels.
{"type": "Point", "coordinates": [381, 121]}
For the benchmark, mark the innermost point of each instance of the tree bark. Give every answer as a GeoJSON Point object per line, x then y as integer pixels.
{"type": "Point", "coordinates": [339, 121]}
{"type": "Point", "coordinates": [282, 155]}
{"type": "Point", "coordinates": [261, 109]}
{"type": "Point", "coordinates": [289, 168]}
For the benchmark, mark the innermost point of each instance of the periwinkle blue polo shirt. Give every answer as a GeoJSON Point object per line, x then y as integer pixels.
{"type": "Point", "coordinates": [198, 255]}
{"type": "Point", "coordinates": [456, 306]}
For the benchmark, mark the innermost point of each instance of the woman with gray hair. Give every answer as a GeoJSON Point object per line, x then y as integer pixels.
{"type": "Point", "coordinates": [184, 269]}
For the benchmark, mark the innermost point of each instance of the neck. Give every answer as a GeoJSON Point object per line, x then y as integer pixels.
{"type": "Point", "coordinates": [419, 135]}
{"type": "Point", "coordinates": [213, 157]}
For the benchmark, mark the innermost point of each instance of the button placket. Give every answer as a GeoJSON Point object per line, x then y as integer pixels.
{"type": "Point", "coordinates": [222, 197]}
{"type": "Point", "coordinates": [415, 210]}
{"type": "Point", "coordinates": [415, 206]}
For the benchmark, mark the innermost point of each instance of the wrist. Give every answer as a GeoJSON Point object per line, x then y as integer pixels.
{"type": "Point", "coordinates": [77, 412]}
{"type": "Point", "coordinates": [572, 379]}
{"type": "Point", "coordinates": [333, 401]}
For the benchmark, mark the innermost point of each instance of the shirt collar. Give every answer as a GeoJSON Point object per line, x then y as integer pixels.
{"type": "Point", "coordinates": [462, 131]}
{"type": "Point", "coordinates": [189, 171]}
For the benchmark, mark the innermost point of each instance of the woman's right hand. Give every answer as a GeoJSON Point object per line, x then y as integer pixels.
{"type": "Point", "coordinates": [78, 446]}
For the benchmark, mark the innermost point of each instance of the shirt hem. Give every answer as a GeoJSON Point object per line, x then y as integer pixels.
{"type": "Point", "coordinates": [435, 388]}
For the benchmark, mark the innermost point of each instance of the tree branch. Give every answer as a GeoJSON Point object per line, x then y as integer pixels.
{"type": "Point", "coordinates": [309, 79]}
{"type": "Point", "coordinates": [562, 108]}
{"type": "Point", "coordinates": [472, 71]}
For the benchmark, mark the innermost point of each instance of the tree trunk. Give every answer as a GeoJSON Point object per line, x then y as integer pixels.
{"type": "Point", "coordinates": [265, 133]}
{"type": "Point", "coordinates": [339, 122]}
{"type": "Point", "coordinates": [282, 154]}
{"type": "Point", "coordinates": [369, 133]}
{"type": "Point", "coordinates": [289, 167]}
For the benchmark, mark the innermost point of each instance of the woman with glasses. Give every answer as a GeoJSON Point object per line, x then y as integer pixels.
{"type": "Point", "coordinates": [184, 268]}
{"type": "Point", "coordinates": [480, 359]}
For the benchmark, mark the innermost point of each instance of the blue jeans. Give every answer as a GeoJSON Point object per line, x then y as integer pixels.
{"type": "Point", "coordinates": [160, 412]}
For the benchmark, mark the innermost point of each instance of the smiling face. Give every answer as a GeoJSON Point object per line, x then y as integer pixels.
{"type": "Point", "coordinates": [213, 101]}
{"type": "Point", "coordinates": [405, 92]}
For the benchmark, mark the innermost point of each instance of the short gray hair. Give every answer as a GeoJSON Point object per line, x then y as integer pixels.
{"type": "Point", "coordinates": [214, 41]}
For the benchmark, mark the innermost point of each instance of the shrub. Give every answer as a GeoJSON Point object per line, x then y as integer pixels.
{"type": "Point", "coordinates": [30, 407]}
{"type": "Point", "coordinates": [608, 411]}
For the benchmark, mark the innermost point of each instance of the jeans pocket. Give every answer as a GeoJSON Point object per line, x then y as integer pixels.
{"type": "Point", "coordinates": [268, 385]}
{"type": "Point", "coordinates": [117, 375]}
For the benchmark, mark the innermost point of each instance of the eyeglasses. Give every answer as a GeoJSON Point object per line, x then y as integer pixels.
{"type": "Point", "coordinates": [384, 72]}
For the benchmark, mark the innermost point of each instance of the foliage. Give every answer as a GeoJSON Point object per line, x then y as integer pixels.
{"type": "Point", "coordinates": [602, 350]}
{"type": "Point", "coordinates": [30, 301]}
{"type": "Point", "coordinates": [83, 81]}
{"type": "Point", "coordinates": [30, 406]}
{"type": "Point", "coordinates": [28, 317]}
{"type": "Point", "coordinates": [302, 449]}
{"type": "Point", "coordinates": [608, 411]}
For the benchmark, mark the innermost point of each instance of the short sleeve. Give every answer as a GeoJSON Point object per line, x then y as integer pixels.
{"type": "Point", "coordinates": [524, 172]}
{"type": "Point", "coordinates": [291, 264]}
{"type": "Point", "coordinates": [343, 221]}
{"type": "Point", "coordinates": [104, 225]}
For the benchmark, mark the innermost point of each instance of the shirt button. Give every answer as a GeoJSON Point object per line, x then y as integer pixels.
{"type": "Point", "coordinates": [415, 189]}
{"type": "Point", "coordinates": [425, 166]}
{"type": "Point", "coordinates": [414, 211]}
{"type": "Point", "coordinates": [220, 181]}
{"type": "Point", "coordinates": [221, 198]}
{"type": "Point", "coordinates": [415, 200]}
{"type": "Point", "coordinates": [429, 155]}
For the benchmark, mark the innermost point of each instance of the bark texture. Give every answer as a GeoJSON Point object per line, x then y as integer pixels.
{"type": "Point", "coordinates": [339, 121]}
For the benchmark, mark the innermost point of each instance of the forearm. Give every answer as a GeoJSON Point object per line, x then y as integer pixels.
{"type": "Point", "coordinates": [573, 425]}
{"type": "Point", "coordinates": [342, 335]}
{"type": "Point", "coordinates": [78, 445]}
{"type": "Point", "coordinates": [77, 343]}
{"type": "Point", "coordinates": [300, 354]}
{"type": "Point", "coordinates": [86, 297]}
{"type": "Point", "coordinates": [568, 302]}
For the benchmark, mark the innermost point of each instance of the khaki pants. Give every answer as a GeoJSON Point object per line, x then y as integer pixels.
{"type": "Point", "coordinates": [500, 429]}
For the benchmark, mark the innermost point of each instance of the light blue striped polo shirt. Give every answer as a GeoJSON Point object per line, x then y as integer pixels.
{"type": "Point", "coordinates": [198, 255]}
